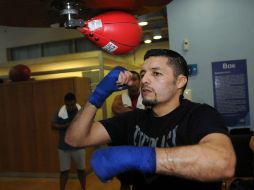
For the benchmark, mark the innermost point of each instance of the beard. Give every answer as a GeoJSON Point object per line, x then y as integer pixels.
{"type": "Point", "coordinates": [149, 103]}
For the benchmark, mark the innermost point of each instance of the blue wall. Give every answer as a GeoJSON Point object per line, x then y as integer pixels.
{"type": "Point", "coordinates": [217, 30]}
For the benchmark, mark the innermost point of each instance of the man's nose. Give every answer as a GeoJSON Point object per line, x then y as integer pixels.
{"type": "Point", "coordinates": [145, 78]}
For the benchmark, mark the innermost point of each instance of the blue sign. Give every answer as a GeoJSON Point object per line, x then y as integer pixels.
{"type": "Point", "coordinates": [192, 69]}
{"type": "Point", "coordinates": [230, 88]}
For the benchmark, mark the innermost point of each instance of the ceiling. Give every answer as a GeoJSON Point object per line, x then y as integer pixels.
{"type": "Point", "coordinates": [43, 13]}
{"type": "Point", "coordinates": [157, 20]}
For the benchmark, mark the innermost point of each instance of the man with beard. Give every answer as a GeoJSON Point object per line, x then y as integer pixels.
{"type": "Point", "coordinates": [176, 144]}
{"type": "Point", "coordinates": [131, 99]}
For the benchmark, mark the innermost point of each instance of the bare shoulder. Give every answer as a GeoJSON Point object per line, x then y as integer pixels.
{"type": "Point", "coordinates": [118, 97]}
{"type": "Point", "coordinates": [117, 100]}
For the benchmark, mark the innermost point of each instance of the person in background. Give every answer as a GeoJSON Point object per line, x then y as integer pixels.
{"type": "Point", "coordinates": [174, 143]}
{"type": "Point", "coordinates": [67, 153]}
{"type": "Point", "coordinates": [132, 99]}
{"type": "Point", "coordinates": [125, 102]}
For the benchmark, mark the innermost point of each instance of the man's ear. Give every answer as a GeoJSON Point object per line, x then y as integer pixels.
{"type": "Point", "coordinates": [181, 81]}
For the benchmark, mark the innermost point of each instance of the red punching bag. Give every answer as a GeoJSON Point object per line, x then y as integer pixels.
{"type": "Point", "coordinates": [19, 73]}
{"type": "Point", "coordinates": [116, 32]}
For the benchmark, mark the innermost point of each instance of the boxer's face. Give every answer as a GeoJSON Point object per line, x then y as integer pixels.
{"type": "Point", "coordinates": [158, 82]}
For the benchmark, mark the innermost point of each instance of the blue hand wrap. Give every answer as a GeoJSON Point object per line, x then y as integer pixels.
{"type": "Point", "coordinates": [106, 87]}
{"type": "Point", "coordinates": [109, 162]}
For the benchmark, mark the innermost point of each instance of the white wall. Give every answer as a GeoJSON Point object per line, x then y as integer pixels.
{"type": "Point", "coordinates": [217, 30]}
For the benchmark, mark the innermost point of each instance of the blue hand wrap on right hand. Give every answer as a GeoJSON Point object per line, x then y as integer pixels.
{"type": "Point", "coordinates": [106, 87]}
{"type": "Point", "coordinates": [109, 162]}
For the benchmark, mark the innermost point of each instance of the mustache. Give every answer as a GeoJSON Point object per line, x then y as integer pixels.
{"type": "Point", "coordinates": [145, 87]}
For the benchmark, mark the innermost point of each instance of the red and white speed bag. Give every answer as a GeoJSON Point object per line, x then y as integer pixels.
{"type": "Point", "coordinates": [116, 32]}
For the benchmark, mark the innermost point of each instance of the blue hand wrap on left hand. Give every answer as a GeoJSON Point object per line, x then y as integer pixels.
{"type": "Point", "coordinates": [111, 161]}
{"type": "Point", "coordinates": [106, 87]}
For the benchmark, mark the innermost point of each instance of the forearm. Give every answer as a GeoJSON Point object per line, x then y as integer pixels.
{"type": "Point", "coordinates": [81, 125]}
{"type": "Point", "coordinates": [203, 162]}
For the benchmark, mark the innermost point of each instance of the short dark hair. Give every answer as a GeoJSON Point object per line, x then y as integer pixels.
{"type": "Point", "coordinates": [177, 61]}
{"type": "Point", "coordinates": [69, 97]}
{"type": "Point", "coordinates": [136, 73]}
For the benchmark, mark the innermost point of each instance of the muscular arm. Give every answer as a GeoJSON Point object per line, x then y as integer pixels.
{"type": "Point", "coordinates": [212, 159]}
{"type": "Point", "coordinates": [83, 131]}
{"type": "Point", "coordinates": [118, 107]}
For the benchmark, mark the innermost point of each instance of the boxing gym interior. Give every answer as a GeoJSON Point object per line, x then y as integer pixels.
{"type": "Point", "coordinates": [51, 47]}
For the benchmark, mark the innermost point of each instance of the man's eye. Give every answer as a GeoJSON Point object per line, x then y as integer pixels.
{"type": "Point", "coordinates": [156, 73]}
